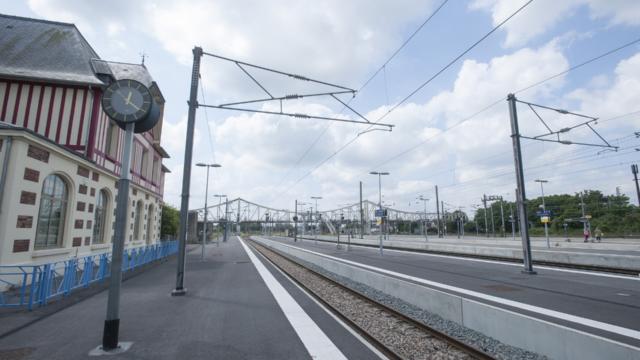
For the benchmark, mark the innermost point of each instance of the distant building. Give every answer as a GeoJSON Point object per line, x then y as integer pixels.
{"type": "Point", "coordinates": [59, 152]}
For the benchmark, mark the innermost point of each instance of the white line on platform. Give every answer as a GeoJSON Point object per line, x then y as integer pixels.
{"type": "Point", "coordinates": [314, 339]}
{"type": "Point", "coordinates": [337, 319]}
{"type": "Point", "coordinates": [594, 273]}
{"type": "Point", "coordinates": [532, 308]}
{"type": "Point", "coordinates": [466, 258]}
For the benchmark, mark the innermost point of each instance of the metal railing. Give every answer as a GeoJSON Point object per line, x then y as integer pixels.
{"type": "Point", "coordinates": [35, 285]}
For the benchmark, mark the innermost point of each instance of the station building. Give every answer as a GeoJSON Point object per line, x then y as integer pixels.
{"type": "Point", "coordinates": [59, 152]}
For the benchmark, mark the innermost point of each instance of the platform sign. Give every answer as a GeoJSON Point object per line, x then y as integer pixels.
{"type": "Point", "coordinates": [542, 213]}
{"type": "Point", "coordinates": [381, 212]}
{"type": "Point", "coordinates": [545, 219]}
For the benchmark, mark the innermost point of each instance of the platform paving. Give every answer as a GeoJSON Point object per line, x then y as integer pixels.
{"type": "Point", "coordinates": [608, 246]}
{"type": "Point", "coordinates": [228, 313]}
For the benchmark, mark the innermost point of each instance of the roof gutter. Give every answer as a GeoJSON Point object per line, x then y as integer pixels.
{"type": "Point", "coordinates": [5, 168]}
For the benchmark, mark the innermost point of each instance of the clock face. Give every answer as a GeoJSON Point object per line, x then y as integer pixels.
{"type": "Point", "coordinates": [126, 101]}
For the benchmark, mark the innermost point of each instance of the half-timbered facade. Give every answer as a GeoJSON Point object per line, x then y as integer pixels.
{"type": "Point", "coordinates": [60, 155]}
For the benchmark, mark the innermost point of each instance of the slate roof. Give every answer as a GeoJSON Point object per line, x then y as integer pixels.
{"type": "Point", "coordinates": [34, 49]}
{"type": "Point", "coordinates": [40, 49]}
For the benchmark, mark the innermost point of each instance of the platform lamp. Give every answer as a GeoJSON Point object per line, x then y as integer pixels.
{"type": "Point", "coordinates": [219, 196]}
{"type": "Point", "coordinates": [206, 195]}
{"type": "Point", "coordinates": [315, 230]}
{"type": "Point", "coordinates": [382, 217]}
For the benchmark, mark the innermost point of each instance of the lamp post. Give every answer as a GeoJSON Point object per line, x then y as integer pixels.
{"type": "Point", "coordinates": [299, 204]}
{"type": "Point", "coordinates": [424, 224]}
{"type": "Point", "coordinates": [315, 231]}
{"type": "Point", "coordinates": [206, 195]}
{"type": "Point", "coordinates": [382, 218]}
{"type": "Point", "coordinates": [220, 196]}
{"type": "Point", "coordinates": [544, 209]}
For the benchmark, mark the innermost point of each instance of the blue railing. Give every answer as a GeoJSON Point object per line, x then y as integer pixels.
{"type": "Point", "coordinates": [34, 285]}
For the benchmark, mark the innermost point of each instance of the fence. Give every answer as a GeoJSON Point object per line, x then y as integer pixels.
{"type": "Point", "coordinates": [35, 285]}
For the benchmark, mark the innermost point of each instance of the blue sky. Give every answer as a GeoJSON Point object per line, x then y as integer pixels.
{"type": "Point", "coordinates": [345, 42]}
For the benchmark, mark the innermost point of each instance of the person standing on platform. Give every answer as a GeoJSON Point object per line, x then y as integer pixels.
{"type": "Point", "coordinates": [599, 234]}
{"type": "Point", "coordinates": [586, 234]}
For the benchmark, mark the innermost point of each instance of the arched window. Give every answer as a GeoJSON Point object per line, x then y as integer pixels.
{"type": "Point", "coordinates": [100, 217]}
{"type": "Point", "coordinates": [137, 221]}
{"type": "Point", "coordinates": [51, 217]}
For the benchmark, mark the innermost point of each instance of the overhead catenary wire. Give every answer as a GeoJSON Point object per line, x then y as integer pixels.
{"type": "Point", "coordinates": [498, 101]}
{"type": "Point", "coordinates": [578, 153]}
{"type": "Point", "coordinates": [206, 118]}
{"type": "Point", "coordinates": [412, 93]}
{"type": "Point", "coordinates": [382, 67]}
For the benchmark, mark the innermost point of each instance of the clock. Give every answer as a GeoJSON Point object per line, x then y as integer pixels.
{"type": "Point", "coordinates": [127, 101]}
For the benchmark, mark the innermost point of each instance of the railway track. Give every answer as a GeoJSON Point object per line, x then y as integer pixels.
{"type": "Point", "coordinates": [611, 270]}
{"type": "Point", "coordinates": [393, 333]}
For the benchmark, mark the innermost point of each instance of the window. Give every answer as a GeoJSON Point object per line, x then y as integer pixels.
{"type": "Point", "coordinates": [144, 164]}
{"type": "Point", "coordinates": [51, 217]}
{"type": "Point", "coordinates": [111, 147]}
{"type": "Point", "coordinates": [137, 221]}
{"type": "Point", "coordinates": [155, 170]}
{"type": "Point", "coordinates": [100, 217]}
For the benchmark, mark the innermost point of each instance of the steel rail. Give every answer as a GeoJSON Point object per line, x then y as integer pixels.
{"type": "Point", "coordinates": [470, 350]}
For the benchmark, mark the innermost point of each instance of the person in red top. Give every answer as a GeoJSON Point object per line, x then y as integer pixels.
{"type": "Point", "coordinates": [586, 235]}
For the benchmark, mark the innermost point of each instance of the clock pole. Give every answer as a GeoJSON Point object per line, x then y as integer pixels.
{"type": "Point", "coordinates": [112, 323]}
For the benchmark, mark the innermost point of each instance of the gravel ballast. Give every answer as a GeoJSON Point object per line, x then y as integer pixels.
{"type": "Point", "coordinates": [478, 340]}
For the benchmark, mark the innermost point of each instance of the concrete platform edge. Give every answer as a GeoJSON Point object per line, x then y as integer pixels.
{"type": "Point", "coordinates": [540, 336]}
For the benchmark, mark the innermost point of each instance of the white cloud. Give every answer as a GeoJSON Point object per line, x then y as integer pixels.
{"type": "Point", "coordinates": [341, 42]}
{"type": "Point", "coordinates": [332, 40]}
{"type": "Point", "coordinates": [542, 15]}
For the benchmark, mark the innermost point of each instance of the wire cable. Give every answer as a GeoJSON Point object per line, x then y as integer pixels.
{"type": "Point", "coordinates": [206, 117]}
{"type": "Point", "coordinates": [528, 87]}
{"type": "Point", "coordinates": [382, 67]}
{"type": "Point", "coordinates": [414, 92]}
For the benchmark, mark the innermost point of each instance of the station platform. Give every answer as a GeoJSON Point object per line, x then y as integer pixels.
{"type": "Point", "coordinates": [621, 254]}
{"type": "Point", "coordinates": [607, 305]}
{"type": "Point", "coordinates": [607, 246]}
{"type": "Point", "coordinates": [237, 306]}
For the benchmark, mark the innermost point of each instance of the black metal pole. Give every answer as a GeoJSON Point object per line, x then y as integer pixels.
{"type": "Point", "coordinates": [438, 211]}
{"type": "Point", "coordinates": [634, 170]}
{"type": "Point", "coordinates": [520, 193]}
{"type": "Point", "coordinates": [112, 322]}
{"type": "Point", "coordinates": [361, 214]}
{"type": "Point", "coordinates": [186, 172]}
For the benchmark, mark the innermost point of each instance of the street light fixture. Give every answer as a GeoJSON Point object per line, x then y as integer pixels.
{"type": "Point", "coordinates": [315, 232]}
{"type": "Point", "coordinates": [298, 204]}
{"type": "Point", "coordinates": [544, 209]}
{"type": "Point", "coordinates": [424, 225]}
{"type": "Point", "coordinates": [206, 195]}
{"type": "Point", "coordinates": [380, 174]}
{"type": "Point", "coordinates": [220, 196]}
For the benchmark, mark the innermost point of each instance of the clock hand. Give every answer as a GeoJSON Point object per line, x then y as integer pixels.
{"type": "Point", "coordinates": [128, 99]}
{"type": "Point", "coordinates": [134, 106]}
{"type": "Point", "coordinates": [122, 96]}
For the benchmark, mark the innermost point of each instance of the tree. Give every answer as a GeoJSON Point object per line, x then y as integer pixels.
{"type": "Point", "coordinates": [169, 222]}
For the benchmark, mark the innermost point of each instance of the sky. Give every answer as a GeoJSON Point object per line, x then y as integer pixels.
{"type": "Point", "coordinates": [454, 132]}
